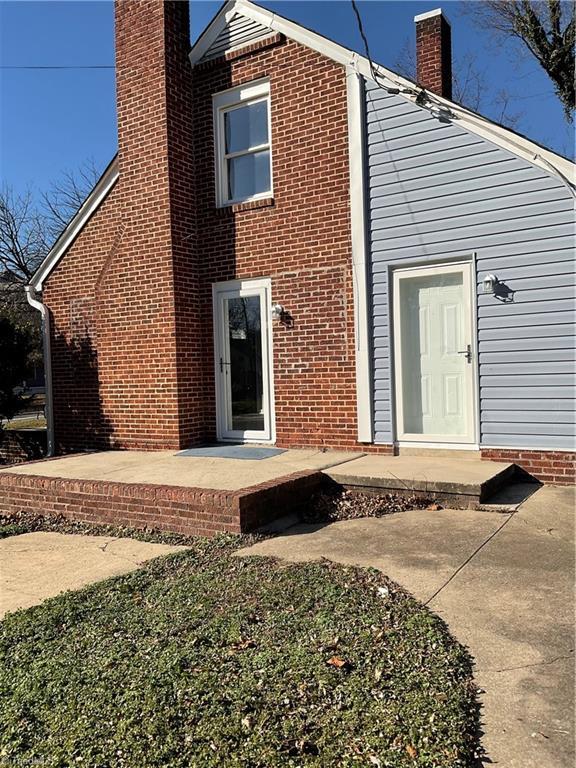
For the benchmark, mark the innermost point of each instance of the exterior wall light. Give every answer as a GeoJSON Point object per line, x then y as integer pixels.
{"type": "Point", "coordinates": [277, 311]}
{"type": "Point", "coordinates": [489, 283]}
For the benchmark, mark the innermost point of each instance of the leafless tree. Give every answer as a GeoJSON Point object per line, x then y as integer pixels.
{"type": "Point", "coordinates": [28, 229]}
{"type": "Point", "coordinates": [23, 236]}
{"type": "Point", "coordinates": [66, 195]}
{"type": "Point", "coordinates": [545, 28]}
{"type": "Point", "coordinates": [470, 86]}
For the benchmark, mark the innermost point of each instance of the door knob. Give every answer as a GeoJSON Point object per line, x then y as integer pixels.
{"type": "Point", "coordinates": [467, 352]}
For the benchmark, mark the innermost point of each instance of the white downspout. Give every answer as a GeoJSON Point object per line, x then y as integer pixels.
{"type": "Point", "coordinates": [33, 300]}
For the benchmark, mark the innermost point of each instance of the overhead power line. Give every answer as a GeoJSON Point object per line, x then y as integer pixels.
{"type": "Point", "coordinates": [65, 66]}
{"type": "Point", "coordinates": [375, 76]}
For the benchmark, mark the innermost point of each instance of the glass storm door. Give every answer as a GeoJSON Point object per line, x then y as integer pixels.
{"type": "Point", "coordinates": [434, 355]}
{"type": "Point", "coordinates": [242, 364]}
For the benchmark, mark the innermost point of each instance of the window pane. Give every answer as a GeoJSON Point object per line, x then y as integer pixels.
{"type": "Point", "coordinates": [245, 340]}
{"type": "Point", "coordinates": [246, 127]}
{"type": "Point", "coordinates": [248, 175]}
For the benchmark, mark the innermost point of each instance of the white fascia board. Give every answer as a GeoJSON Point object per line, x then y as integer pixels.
{"type": "Point", "coordinates": [276, 24]}
{"type": "Point", "coordinates": [210, 34]}
{"type": "Point", "coordinates": [528, 150]}
{"type": "Point", "coordinates": [359, 256]}
{"type": "Point", "coordinates": [503, 137]}
{"type": "Point", "coordinates": [295, 32]}
{"type": "Point", "coordinates": [78, 222]}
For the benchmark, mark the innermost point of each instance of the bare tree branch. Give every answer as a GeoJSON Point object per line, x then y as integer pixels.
{"type": "Point", "coordinates": [470, 86]}
{"type": "Point", "coordinates": [28, 230]}
{"type": "Point", "coordinates": [546, 28]}
{"type": "Point", "coordinates": [23, 240]}
{"type": "Point", "coordinates": [66, 195]}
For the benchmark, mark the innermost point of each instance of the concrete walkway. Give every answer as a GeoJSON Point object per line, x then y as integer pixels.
{"type": "Point", "coordinates": [504, 583]}
{"type": "Point", "coordinates": [36, 566]}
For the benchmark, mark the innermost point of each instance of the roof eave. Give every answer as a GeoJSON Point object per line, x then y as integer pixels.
{"type": "Point", "coordinates": [100, 191]}
{"type": "Point", "coordinates": [542, 157]}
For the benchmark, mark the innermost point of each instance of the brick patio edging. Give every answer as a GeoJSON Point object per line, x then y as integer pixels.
{"type": "Point", "coordinates": [190, 511]}
{"type": "Point", "coordinates": [555, 467]}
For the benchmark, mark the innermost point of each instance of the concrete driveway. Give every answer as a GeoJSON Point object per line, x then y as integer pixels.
{"type": "Point", "coordinates": [504, 583]}
{"type": "Point", "coordinates": [36, 566]}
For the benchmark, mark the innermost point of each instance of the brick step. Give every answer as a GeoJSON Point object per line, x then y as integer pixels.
{"type": "Point", "coordinates": [179, 509]}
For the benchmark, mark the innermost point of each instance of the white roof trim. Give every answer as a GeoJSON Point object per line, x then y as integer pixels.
{"type": "Point", "coordinates": [544, 158]}
{"type": "Point", "coordinates": [77, 223]}
{"type": "Point", "coordinates": [210, 34]}
{"type": "Point", "coordinates": [430, 15]}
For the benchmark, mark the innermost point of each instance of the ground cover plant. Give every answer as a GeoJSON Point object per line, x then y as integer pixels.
{"type": "Point", "coordinates": [207, 659]}
{"type": "Point", "coordinates": [16, 523]}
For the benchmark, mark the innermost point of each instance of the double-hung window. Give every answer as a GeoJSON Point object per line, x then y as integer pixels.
{"type": "Point", "coordinates": [242, 140]}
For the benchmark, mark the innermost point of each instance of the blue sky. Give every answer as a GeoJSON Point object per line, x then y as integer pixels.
{"type": "Point", "coordinates": [54, 120]}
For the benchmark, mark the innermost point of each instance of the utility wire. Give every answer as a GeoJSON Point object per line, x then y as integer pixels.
{"type": "Point", "coordinates": [373, 72]}
{"type": "Point", "coordinates": [73, 66]}
{"type": "Point", "coordinates": [426, 100]}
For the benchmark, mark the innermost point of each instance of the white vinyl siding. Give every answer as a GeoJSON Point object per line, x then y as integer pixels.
{"type": "Point", "coordinates": [237, 33]}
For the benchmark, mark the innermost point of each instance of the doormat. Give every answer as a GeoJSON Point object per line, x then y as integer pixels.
{"type": "Point", "coordinates": [233, 452]}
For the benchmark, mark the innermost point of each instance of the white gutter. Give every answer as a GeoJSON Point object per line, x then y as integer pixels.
{"type": "Point", "coordinates": [31, 295]}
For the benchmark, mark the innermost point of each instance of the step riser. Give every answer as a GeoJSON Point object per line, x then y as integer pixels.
{"type": "Point", "coordinates": [451, 500]}
{"type": "Point", "coordinates": [447, 494]}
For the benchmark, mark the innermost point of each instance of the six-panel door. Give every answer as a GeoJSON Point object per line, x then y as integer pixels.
{"type": "Point", "coordinates": [434, 370]}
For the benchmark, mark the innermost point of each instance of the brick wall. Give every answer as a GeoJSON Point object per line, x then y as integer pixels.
{"type": "Point", "coordinates": [556, 467]}
{"type": "Point", "coordinates": [301, 239]}
{"type": "Point", "coordinates": [191, 511]}
{"type": "Point", "coordinates": [131, 302]}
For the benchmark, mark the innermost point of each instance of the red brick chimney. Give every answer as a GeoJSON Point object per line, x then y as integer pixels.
{"type": "Point", "coordinates": [155, 308]}
{"type": "Point", "coordinates": [434, 52]}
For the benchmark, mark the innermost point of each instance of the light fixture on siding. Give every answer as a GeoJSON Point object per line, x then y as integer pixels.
{"type": "Point", "coordinates": [489, 283]}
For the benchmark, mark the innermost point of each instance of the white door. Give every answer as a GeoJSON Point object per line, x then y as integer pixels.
{"type": "Point", "coordinates": [242, 344]}
{"type": "Point", "coordinates": [434, 355]}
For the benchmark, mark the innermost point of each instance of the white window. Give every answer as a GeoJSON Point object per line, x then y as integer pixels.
{"type": "Point", "coordinates": [242, 141]}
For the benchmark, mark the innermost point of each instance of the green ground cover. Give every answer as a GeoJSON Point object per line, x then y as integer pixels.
{"type": "Point", "coordinates": [206, 659]}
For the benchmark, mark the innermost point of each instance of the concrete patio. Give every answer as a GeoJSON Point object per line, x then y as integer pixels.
{"type": "Point", "coordinates": [504, 583]}
{"type": "Point", "coordinates": [199, 494]}
{"type": "Point", "coordinates": [168, 468]}
{"type": "Point", "coordinates": [162, 490]}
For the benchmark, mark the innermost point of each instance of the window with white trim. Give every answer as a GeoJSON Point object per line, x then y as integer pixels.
{"type": "Point", "coordinates": [243, 144]}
